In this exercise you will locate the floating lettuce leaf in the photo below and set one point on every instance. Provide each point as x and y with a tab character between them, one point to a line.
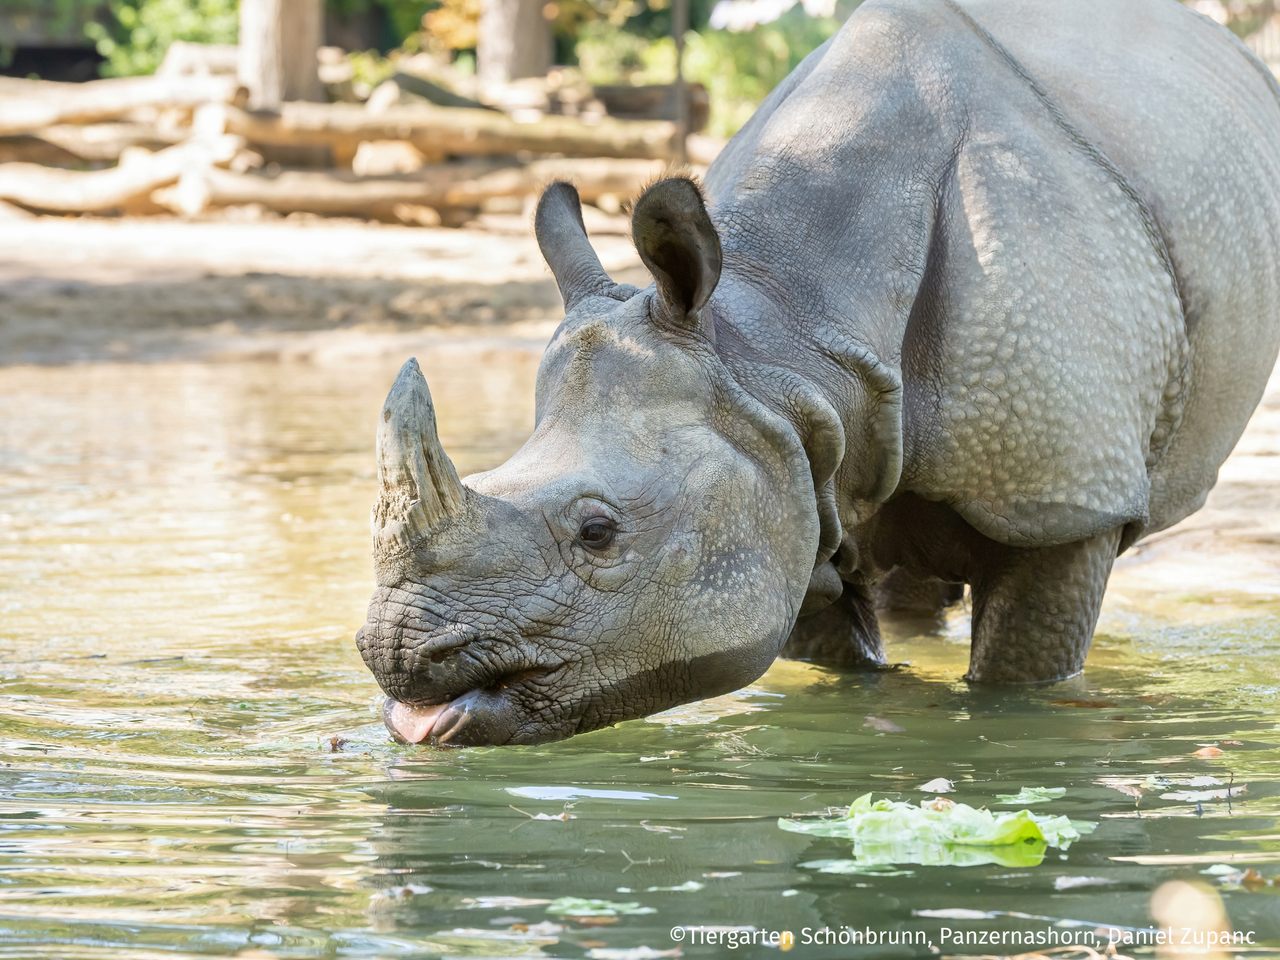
940	832
1027	795
583	907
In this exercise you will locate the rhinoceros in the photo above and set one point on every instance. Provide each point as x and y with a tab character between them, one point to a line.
984	292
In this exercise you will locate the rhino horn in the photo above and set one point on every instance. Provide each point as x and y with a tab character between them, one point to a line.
562	238
418	489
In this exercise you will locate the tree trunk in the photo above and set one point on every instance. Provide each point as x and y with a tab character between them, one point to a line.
514	41
278	44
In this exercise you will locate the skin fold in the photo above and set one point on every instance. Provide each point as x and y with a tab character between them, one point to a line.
983	293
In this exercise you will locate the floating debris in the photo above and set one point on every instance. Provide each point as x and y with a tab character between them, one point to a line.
1032	795
884	726
590	907
938	785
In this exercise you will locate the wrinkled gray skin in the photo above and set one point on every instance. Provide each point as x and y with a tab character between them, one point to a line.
986	292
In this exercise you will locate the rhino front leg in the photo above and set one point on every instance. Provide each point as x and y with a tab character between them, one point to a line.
1034	610
845	634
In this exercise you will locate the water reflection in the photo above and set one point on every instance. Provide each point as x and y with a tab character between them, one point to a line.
193	766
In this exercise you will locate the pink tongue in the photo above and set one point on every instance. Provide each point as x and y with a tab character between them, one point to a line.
412	724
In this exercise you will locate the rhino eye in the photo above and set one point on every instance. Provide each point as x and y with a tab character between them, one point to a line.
597	533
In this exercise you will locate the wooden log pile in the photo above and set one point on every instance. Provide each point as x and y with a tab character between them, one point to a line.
27	105
441	187
184	141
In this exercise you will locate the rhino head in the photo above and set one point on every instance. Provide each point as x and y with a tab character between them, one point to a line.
650	544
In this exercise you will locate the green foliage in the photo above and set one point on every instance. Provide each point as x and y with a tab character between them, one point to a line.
738	69
609	54
142	30
138	32
369	67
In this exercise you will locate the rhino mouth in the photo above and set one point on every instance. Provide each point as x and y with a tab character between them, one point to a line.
484	716
409	724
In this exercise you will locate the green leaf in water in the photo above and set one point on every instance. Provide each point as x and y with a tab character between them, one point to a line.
940	832
584	907
1027	795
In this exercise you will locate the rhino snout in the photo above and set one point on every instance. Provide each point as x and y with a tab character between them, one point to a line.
457	687
437	670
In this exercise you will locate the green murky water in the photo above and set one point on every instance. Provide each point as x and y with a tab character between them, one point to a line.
193	764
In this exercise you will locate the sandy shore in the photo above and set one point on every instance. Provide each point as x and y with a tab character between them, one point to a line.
92	290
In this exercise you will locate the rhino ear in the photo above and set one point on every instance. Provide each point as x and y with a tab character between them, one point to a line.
562	238
678	243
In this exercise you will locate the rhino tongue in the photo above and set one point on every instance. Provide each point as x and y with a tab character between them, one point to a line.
410	724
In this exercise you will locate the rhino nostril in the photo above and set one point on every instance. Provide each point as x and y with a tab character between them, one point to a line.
458	648
510	679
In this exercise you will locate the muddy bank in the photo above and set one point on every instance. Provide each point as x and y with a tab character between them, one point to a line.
145	290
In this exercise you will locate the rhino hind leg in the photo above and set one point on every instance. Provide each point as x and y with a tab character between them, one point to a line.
1034	610
845	634
902	593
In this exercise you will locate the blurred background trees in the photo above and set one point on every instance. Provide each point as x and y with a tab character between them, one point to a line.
738	49
133	35
607	41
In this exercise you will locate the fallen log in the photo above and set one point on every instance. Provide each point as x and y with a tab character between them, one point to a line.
655	102
72	145
439	131
329	192
107	141
186	59
440	187
595	177
10	212
138	174
25	148
28	105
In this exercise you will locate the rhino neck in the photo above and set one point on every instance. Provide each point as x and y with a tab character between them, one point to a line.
841	397
827	202
826	245
811	316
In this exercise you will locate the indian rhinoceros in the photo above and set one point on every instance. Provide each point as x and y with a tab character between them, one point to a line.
983	293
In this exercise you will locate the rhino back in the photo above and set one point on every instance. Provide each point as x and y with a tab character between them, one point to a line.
1192	119
1008	205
